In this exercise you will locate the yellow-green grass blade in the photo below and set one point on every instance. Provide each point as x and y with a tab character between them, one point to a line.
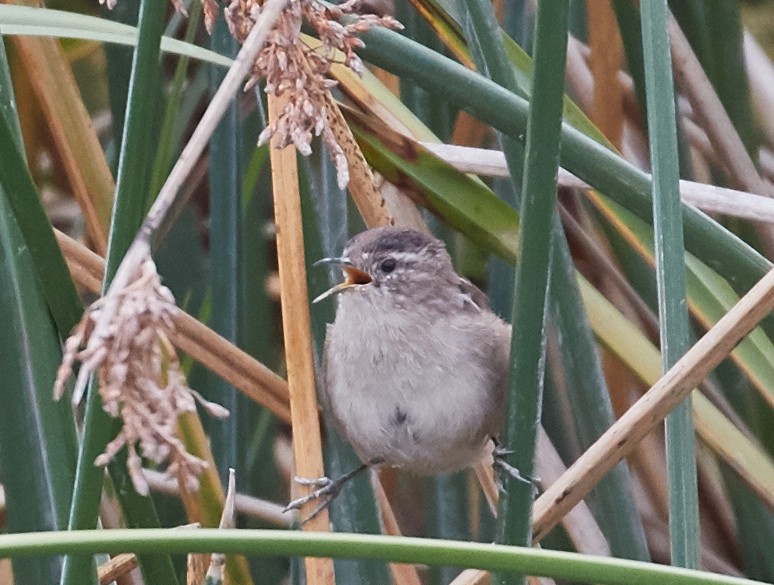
445	27
24	20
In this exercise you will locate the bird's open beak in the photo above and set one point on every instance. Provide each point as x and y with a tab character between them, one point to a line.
353	277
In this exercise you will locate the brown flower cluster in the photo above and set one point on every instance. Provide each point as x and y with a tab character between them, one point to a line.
294	70
298	72
140	378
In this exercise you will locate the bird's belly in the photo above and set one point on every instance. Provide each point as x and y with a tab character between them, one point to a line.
420	417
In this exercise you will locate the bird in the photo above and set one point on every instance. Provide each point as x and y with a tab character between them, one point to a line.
415	363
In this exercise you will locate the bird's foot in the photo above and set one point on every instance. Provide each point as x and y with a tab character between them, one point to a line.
326	492
327	489
500	454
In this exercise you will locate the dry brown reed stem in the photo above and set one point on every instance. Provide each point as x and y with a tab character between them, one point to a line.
648	412
690	77
605	57
115	568
197	340
370	203
402	574
296	325
75	142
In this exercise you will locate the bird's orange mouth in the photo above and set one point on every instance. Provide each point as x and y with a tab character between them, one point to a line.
353	277
356	276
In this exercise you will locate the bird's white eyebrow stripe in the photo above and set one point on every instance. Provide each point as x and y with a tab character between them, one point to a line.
406	256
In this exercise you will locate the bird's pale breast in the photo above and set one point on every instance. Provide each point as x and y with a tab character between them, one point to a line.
423	398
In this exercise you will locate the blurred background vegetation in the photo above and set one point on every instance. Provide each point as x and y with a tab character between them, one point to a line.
69	99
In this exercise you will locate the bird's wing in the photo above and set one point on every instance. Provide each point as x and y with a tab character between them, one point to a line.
326	371
471	296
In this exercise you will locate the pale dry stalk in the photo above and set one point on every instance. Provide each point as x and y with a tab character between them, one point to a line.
648	412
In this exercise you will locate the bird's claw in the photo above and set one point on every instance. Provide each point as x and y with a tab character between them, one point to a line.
499	462
326	492
500	451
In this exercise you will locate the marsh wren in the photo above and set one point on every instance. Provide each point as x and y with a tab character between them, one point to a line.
415	362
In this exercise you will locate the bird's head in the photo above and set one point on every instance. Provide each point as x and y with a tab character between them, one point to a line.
398	265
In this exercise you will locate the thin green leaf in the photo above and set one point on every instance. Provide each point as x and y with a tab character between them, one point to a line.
37	438
225	181
525	381
670	277
532	561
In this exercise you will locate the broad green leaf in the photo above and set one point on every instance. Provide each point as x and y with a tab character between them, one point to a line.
37	434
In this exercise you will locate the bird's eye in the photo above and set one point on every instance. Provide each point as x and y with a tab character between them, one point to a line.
387	265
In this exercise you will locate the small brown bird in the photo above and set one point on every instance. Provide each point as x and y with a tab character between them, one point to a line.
415	362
